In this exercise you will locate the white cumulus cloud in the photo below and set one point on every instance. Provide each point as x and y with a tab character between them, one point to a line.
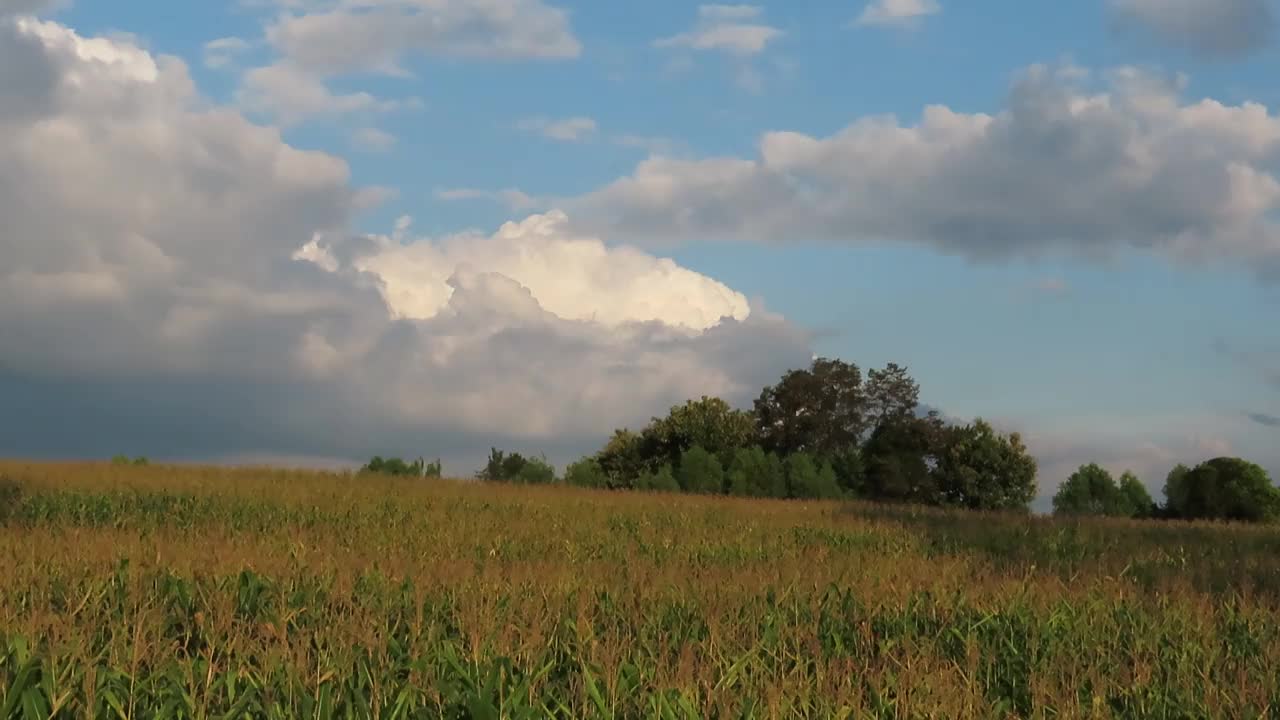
1065	165
726	28
898	13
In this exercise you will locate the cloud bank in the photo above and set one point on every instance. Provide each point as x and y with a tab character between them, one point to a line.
180	279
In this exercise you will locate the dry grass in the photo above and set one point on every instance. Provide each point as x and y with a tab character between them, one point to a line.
199	592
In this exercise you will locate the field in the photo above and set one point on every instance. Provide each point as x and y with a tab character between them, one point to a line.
166	592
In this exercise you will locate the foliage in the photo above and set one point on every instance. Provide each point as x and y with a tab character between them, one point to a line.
980	469
587	473
516	468
1223	488
660	480
756	473
899	460
808	480
124	460
1138	500
892	396
622	459
397	467
700	472
1091	491
820	410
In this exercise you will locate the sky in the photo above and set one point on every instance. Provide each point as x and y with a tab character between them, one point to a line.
308	231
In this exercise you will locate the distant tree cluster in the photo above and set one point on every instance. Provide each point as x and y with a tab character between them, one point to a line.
821	432
516	468
399	468
1223	488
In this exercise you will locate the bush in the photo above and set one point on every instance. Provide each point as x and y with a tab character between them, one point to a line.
10	498
124	460
1223	488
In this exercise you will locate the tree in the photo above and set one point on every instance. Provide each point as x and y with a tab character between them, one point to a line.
899	459
1140	504
1091	491
1224	488
891	395
516	468
660	480
981	469
806	479
700	472
396	467
821	410
1175	490
587	473
622	459
755	473
709	422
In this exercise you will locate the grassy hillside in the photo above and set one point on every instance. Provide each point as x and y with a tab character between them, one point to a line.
190	592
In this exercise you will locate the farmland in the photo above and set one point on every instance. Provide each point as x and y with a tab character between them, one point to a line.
200	592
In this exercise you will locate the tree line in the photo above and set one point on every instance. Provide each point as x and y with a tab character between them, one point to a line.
831	431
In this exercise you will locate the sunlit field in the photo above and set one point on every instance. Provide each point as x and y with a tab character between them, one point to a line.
176	592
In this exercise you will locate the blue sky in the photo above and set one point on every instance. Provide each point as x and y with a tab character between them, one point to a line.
1138	331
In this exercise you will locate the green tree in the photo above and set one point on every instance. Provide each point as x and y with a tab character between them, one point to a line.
1225	488
756	473
1175	490
586	472
622	459
808	479
892	395
981	469
536	471
899	458
821	410
1136	496
1091	490
708	422
516	468
397	467
660	480
700	472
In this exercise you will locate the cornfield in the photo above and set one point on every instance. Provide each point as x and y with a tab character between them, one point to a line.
179	592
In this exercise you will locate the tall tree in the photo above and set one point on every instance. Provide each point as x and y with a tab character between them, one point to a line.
1091	490
1136	495
980	469
899	459
819	410
709	422
1225	488
891	395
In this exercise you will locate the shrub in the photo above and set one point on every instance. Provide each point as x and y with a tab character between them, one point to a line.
755	473
396	467
516	468
660	480
806	479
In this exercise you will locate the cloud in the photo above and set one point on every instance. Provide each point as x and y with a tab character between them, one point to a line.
373	140
725	28
290	96
223	51
1216	28
376	35
1264	419
573	129
219	304
897	13
1062	167
25	7
511	197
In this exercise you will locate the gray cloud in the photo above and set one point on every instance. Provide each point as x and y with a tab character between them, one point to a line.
180	282
1216	28
1062	167
1271	421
